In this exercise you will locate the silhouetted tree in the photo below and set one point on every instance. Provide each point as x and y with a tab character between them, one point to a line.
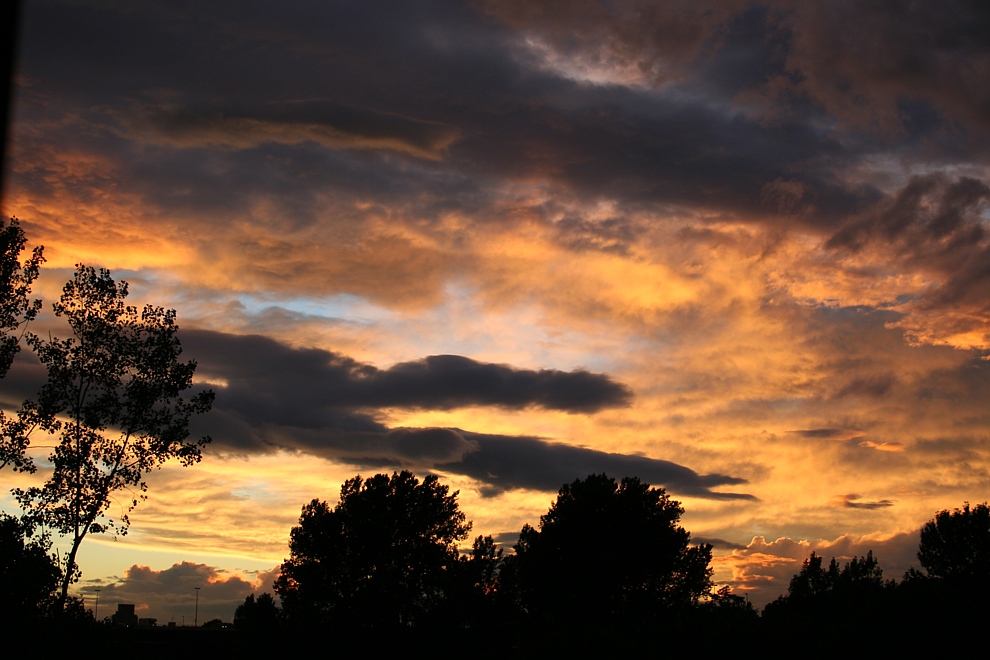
955	553
259	615
485	565
28	575
727	621
112	401
609	552
381	557
814	583
475	598
853	599
956	546
16	310
16	278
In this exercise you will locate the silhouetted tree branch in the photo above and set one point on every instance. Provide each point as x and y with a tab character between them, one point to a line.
16	311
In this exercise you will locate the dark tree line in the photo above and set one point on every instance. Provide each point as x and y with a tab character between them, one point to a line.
936	609
607	569
607	562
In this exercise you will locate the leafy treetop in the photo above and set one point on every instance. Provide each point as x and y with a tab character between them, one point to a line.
956	545
381	556
815	581
607	549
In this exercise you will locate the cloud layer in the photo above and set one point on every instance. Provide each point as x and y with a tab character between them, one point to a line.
271	396
738	249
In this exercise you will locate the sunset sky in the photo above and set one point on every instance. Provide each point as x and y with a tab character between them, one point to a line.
740	250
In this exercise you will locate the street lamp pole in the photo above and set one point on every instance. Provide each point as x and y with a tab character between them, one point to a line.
196	620
96	614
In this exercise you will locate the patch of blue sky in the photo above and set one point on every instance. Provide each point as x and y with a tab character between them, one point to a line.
258	493
340	307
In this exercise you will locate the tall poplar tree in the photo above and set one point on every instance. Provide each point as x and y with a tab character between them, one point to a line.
113	402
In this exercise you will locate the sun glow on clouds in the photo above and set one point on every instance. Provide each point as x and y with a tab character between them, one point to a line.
243	507
222	506
746	357
706	383
646	193
761	569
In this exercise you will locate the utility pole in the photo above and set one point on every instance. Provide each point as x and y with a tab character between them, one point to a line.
96	614
196	620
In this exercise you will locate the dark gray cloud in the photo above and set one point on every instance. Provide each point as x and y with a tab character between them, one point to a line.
326	404
291	122
854	501
935	227
720	544
911	70
26	377
822	433
968	382
431	78
873	387
961	449
504	463
506	538
302	386
449	381
929	211
319	402
424	80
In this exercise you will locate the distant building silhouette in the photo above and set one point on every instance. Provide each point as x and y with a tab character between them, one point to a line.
125	616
